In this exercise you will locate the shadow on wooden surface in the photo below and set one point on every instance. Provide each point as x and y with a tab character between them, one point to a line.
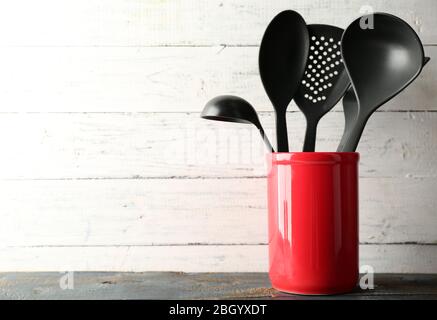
172	285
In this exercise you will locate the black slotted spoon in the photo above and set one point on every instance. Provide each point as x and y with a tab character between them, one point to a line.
381	62
325	80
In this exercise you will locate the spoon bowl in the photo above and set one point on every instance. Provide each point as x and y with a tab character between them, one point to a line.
381	62
282	59
350	110
234	109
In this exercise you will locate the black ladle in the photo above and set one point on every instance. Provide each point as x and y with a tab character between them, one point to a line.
282	60
325	80
350	110
381	62
234	109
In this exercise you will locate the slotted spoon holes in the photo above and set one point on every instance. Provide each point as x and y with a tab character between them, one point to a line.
324	62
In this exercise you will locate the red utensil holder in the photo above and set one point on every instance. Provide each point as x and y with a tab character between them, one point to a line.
313	221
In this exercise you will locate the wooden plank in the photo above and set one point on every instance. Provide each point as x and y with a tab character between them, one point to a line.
182	22
170	285
158	79
166	145
241	258
191	211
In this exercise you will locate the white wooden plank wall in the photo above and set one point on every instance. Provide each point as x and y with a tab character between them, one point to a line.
106	165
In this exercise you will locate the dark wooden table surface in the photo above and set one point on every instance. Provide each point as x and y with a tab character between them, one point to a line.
170	285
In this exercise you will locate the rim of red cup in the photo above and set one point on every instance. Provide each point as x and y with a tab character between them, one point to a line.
312	157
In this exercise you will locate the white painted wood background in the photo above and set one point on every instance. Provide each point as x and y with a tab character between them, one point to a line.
106	165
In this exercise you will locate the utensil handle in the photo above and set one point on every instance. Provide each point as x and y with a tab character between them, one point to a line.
309	144
352	139
266	140
343	140
281	131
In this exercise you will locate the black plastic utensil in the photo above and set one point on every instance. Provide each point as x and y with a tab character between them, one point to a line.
325	80
234	109
425	61
282	60
350	110
381	62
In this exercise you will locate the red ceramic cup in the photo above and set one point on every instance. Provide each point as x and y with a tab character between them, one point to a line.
313	221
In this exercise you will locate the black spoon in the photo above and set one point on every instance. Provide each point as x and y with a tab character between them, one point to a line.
325	80
234	109
381	62
282	60
350	110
